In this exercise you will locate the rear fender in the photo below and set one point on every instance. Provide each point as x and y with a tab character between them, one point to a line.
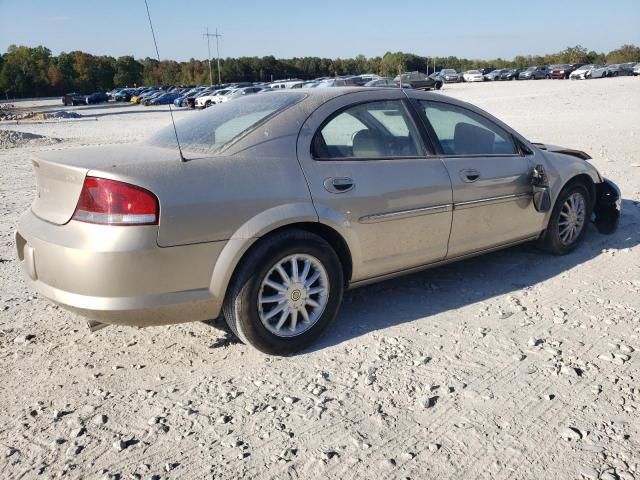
248	234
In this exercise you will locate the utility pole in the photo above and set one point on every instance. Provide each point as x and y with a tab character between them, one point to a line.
217	35
207	35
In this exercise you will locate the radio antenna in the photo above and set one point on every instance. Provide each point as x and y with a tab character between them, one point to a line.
175	130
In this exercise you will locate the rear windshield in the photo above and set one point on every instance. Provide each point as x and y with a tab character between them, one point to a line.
210	130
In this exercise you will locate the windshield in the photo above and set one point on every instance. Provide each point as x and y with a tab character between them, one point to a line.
209	131
473	72
448	71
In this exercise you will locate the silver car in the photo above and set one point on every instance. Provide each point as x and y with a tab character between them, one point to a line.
280	202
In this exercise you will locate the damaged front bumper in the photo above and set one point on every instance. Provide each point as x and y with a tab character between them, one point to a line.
607	207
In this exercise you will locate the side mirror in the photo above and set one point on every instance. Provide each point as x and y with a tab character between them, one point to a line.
540	186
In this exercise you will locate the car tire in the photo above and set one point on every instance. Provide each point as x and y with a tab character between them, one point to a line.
207	104
438	85
250	306
558	239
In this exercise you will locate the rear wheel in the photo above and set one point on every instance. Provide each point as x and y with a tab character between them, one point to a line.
438	85
285	293
568	223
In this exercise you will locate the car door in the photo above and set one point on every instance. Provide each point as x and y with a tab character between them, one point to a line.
371	178
490	175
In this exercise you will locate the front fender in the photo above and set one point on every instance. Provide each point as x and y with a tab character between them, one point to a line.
564	167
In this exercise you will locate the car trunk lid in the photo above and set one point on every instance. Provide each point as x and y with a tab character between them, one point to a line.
60	174
58	187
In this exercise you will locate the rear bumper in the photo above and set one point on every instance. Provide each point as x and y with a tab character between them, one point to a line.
608	207
118	275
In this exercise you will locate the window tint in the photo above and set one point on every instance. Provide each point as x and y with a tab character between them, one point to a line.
369	130
463	132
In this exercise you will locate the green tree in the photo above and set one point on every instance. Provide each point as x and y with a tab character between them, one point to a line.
624	54
577	54
128	71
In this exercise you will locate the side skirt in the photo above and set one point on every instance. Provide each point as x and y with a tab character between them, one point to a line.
388	276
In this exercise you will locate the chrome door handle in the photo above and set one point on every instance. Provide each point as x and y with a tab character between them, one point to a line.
339	184
469	175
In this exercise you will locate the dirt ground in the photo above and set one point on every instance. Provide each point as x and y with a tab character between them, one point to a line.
514	365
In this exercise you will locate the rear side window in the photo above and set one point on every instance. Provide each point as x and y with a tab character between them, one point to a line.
212	129
463	132
370	130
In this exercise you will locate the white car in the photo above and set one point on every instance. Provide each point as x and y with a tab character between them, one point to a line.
206	101
239	93
589	71
473	76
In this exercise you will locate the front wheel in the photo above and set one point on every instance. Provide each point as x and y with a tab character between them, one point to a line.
285	293
438	85
568	223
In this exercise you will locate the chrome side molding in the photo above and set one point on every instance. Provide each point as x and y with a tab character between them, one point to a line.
414	212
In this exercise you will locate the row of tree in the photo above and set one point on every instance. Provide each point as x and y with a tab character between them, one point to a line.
34	72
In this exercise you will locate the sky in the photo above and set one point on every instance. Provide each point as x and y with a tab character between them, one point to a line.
475	29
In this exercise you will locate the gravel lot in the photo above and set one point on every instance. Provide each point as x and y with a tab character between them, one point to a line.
511	365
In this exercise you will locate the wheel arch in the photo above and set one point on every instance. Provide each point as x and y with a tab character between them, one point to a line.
586	180
239	247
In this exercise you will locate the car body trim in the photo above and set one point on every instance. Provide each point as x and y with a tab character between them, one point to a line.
416	212
413	212
491	200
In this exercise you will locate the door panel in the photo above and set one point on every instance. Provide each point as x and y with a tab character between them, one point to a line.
494	209
396	212
489	176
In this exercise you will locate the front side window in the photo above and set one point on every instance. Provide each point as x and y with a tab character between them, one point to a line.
463	132
368	130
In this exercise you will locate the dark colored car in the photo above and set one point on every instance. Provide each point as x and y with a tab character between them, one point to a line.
163	99
563	71
97	97
449	75
148	95
73	99
620	70
486	70
533	73
181	101
124	95
419	81
494	74
511	74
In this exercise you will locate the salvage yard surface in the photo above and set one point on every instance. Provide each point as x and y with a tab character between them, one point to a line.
511	365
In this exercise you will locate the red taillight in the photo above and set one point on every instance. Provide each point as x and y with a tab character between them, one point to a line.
109	202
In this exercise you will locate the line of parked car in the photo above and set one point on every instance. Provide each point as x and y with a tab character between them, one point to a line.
562	71
206	96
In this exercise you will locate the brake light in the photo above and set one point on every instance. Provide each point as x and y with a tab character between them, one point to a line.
109	202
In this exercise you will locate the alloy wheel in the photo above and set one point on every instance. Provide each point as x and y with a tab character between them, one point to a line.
572	218
293	295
